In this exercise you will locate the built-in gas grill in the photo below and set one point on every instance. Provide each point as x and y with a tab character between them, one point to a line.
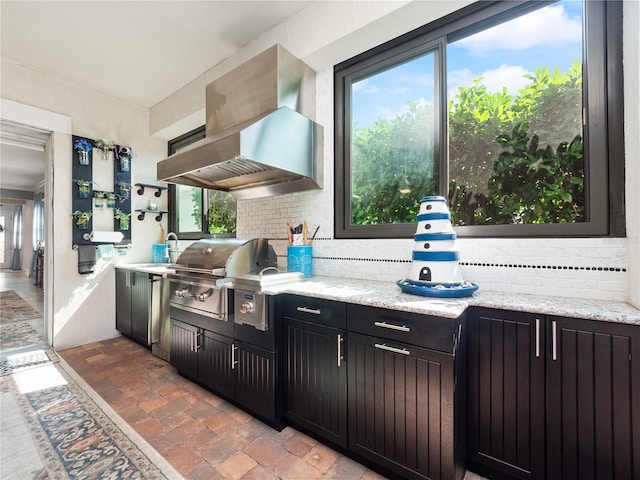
204	270
212	276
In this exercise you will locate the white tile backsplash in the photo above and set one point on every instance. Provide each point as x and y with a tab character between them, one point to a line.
589	268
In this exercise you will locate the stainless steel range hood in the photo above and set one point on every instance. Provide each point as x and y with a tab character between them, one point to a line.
260	140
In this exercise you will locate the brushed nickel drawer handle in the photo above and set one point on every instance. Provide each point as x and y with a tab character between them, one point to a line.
554	337
340	357
391	326
234	362
537	337
402	351
315	311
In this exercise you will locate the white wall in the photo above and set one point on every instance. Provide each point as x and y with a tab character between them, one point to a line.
327	33
83	306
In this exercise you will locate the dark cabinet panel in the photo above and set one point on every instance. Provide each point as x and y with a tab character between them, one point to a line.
214	362
506	402
316	379
590	419
133	299
551	398
255	380
401	403
182	350
140	299
123	301
239	371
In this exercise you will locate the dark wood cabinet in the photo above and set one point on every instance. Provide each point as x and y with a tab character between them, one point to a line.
133	297
215	362
140	309
403	404
506	402
593	405
123	301
255	375
183	354
240	371
551	398
315	368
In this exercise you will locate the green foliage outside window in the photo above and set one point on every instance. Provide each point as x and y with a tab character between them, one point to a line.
389	158
221	213
513	159
518	159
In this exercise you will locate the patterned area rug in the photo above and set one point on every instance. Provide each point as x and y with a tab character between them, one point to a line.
13	308
76	438
18	334
15	363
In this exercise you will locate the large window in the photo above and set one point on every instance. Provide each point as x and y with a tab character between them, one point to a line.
511	111
196	212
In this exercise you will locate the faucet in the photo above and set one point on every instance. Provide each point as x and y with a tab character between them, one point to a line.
172	253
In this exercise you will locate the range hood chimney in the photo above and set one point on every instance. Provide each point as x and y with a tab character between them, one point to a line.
260	139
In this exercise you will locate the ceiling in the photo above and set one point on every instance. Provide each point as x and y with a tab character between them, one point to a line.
138	51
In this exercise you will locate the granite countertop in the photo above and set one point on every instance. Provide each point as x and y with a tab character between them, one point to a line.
388	295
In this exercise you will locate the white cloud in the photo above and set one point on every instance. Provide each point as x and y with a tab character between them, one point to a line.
420	80
510	76
547	27
365	87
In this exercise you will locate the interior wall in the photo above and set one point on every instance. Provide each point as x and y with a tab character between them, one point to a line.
82	306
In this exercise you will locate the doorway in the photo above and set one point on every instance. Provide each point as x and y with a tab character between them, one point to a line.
22	224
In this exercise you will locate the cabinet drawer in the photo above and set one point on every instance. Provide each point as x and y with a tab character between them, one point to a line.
436	333
315	310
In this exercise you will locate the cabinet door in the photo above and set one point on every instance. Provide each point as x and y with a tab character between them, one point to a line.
401	407
215	362
255	380
593	423
316	379
140	299
506	392
123	301
182	350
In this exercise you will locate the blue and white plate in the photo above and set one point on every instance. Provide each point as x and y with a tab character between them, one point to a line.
441	290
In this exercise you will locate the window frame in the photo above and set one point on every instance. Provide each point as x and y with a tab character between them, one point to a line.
603	132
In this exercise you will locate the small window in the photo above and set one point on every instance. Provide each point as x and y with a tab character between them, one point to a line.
195	212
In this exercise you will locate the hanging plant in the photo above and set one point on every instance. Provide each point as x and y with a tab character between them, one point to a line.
124	155
83	147
84	186
82	219
105	147
123	191
122	217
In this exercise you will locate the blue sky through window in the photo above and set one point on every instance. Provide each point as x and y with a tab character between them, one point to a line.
502	55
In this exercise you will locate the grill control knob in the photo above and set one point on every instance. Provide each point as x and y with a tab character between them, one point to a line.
247	307
181	293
